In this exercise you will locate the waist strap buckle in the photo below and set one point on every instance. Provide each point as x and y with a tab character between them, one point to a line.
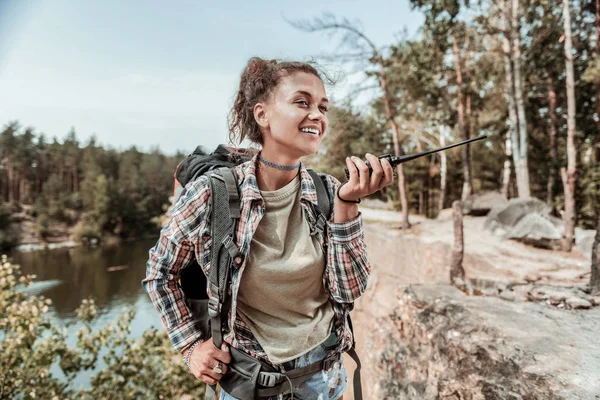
270	379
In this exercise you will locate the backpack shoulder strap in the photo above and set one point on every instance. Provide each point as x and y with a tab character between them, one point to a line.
224	214
322	194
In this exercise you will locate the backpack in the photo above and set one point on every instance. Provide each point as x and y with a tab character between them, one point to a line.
192	280
247	378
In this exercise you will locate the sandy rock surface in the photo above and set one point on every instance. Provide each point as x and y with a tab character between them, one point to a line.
442	343
421	255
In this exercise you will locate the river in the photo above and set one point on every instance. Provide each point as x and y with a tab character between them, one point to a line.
69	275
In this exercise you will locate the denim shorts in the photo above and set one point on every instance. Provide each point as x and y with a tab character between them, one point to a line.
324	385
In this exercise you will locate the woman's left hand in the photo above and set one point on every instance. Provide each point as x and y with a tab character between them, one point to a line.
360	184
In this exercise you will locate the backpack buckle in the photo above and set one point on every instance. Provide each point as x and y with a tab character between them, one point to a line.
214	307
269	379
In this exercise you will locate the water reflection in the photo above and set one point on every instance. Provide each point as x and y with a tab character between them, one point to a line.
83	273
68	276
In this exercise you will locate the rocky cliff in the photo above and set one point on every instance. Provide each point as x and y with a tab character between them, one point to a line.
532	335
443	344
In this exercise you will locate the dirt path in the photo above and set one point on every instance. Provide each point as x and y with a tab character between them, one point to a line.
422	255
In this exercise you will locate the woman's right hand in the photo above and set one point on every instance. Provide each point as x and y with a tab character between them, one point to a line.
205	358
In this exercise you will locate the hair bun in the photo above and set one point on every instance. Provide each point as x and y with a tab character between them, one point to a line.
257	64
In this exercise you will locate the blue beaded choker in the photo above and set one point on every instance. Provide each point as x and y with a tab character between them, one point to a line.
279	166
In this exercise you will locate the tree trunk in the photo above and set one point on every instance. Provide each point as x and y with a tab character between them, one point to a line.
506	183
598	55
75	178
428	194
38	179
516	59
509	95
595	278
424	176
506	179
11	180
569	175
553	141
397	149
69	179
464	126
405	224
21	191
457	272
443	169
466	152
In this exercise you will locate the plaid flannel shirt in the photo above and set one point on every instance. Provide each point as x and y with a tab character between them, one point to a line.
188	235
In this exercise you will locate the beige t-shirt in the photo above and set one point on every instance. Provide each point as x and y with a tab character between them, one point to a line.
281	295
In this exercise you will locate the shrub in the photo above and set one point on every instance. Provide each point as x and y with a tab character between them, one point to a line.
7	238
30	344
42	225
87	232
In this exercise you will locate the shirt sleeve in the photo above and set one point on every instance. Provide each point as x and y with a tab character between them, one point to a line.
348	268
179	242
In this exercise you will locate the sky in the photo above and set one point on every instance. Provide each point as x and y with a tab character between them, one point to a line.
155	73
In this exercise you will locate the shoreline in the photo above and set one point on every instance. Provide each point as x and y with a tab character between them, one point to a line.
27	247
69	244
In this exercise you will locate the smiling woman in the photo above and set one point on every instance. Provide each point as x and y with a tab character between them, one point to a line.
294	287
293	121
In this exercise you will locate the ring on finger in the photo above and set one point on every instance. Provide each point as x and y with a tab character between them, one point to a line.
218	369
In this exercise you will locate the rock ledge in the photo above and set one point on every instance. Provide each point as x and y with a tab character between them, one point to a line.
443	344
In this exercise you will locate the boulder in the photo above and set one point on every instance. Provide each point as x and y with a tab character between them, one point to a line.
578	303
536	230
551	294
481	203
502	218
528	221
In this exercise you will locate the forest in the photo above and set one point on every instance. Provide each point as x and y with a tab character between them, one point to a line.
100	190
525	73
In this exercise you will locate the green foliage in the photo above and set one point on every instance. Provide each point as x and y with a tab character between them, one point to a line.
101	204
349	133
53	200
7	239
87	231
123	368
101	190
422	79
592	73
42	225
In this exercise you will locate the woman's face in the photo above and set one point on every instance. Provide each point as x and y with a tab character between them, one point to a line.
293	120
